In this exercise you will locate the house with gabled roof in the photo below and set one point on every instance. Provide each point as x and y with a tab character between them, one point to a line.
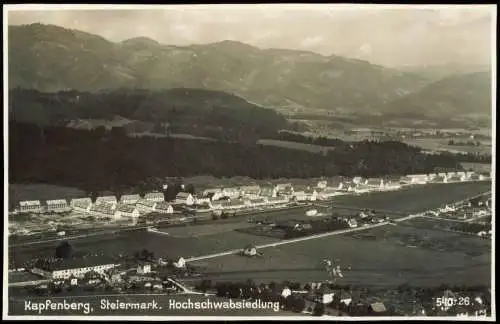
30	206
250	191
184	198
126	211
129	199
57	205
268	191
154	196
81	204
106	199
164	207
146	206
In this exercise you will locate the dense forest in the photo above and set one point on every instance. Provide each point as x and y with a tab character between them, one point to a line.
97	159
198	112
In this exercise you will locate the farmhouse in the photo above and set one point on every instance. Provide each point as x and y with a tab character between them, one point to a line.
126	211
164	207
250	191
81	204
129	199
154	196
64	269
184	198
30	206
57	205
106	199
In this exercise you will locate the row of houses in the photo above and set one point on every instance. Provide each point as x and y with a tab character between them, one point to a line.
253	194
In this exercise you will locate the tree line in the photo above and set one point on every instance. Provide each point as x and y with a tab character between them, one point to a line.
96	160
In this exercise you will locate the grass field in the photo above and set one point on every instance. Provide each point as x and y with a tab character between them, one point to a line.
382	257
436	144
294	145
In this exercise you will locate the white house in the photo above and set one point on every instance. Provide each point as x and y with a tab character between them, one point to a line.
154	196
250	191
103	210
81	204
375	183
202	200
232	193
322	184
129	199
268	191
106	199
57	205
146	206
184	198
283	187
126	211
233	204
30	206
418	178
213	194
144	268
276	201
358	180
164	207
328	193
257	202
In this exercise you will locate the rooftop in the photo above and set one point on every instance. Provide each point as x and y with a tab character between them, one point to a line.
75	263
29	203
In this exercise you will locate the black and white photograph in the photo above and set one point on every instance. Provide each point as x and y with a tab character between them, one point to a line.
249	161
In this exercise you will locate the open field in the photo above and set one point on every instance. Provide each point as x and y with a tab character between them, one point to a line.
385	256
294	145
202	230
410	200
437	144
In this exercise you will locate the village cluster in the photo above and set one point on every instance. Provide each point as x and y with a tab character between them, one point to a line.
128	209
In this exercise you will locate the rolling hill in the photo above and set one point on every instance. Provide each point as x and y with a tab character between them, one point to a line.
50	58
456	95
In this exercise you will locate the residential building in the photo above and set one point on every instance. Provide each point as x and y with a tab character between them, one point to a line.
81	204
484	176
58	205
300	196
30	206
276	201
217	204
164	207
358	180
336	183
257	202
146	206
233	204
231	193
103	210
453	178
202	200
419	178
405	180
64	269
322	184
130	199
154	196
213	194
328	193
268	191
250	191
375	183
106	199
184	198
126	211
283	187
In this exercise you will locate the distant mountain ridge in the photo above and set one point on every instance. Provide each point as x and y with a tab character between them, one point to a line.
50	58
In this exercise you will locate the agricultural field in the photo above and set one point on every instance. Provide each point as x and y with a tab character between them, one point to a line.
438	144
382	257
295	145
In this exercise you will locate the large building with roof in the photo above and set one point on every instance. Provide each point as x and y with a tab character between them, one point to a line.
250	192
130	199
64	269
184	198
154	196
106	199
57	205
103	210
30	206
126	211
81	204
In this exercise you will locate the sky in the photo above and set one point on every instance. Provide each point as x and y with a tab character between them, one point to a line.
392	36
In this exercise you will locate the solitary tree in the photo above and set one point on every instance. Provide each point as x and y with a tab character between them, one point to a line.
64	250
